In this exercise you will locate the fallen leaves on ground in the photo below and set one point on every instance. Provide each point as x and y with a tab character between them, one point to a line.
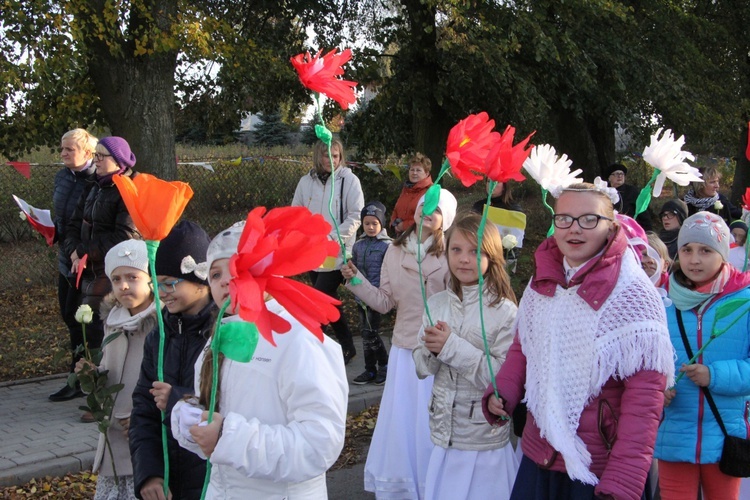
71	486
359	430
33	334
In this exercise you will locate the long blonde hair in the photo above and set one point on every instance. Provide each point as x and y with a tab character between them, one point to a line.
496	278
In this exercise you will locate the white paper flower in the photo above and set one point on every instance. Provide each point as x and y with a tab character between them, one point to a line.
718	205
603	187
509	242
666	154
551	172
84	314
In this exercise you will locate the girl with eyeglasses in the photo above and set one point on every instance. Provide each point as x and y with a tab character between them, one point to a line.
592	351
188	313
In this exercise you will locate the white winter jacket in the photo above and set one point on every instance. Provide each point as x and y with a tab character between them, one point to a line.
284	418
348	202
461	371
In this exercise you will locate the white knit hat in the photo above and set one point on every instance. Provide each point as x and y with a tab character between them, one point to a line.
130	253
447	205
224	244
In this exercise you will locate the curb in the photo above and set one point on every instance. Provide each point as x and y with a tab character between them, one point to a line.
35	380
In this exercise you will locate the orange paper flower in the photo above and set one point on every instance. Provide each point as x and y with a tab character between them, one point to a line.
469	142
154	204
504	161
287	241
321	74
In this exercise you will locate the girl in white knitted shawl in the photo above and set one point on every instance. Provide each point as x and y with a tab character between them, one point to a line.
593	353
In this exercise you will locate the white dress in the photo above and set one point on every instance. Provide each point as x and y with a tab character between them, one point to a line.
396	466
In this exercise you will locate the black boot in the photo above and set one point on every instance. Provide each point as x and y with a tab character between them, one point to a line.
66	393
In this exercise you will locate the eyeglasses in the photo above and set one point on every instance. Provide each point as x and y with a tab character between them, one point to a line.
585	221
167	286
101	156
617	174
668	215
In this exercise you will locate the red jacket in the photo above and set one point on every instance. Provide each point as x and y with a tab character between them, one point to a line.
406	204
619	425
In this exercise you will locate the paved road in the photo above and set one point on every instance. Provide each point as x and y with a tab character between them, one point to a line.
40	438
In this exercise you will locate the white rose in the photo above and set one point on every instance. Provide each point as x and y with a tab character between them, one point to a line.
509	241
718	205
84	314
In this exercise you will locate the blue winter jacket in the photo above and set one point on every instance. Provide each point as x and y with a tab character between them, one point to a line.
689	431
68	188
368	253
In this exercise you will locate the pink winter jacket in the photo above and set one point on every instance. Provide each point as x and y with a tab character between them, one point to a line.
619	426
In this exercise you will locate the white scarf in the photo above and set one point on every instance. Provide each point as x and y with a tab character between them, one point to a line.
410	246
572	351
120	319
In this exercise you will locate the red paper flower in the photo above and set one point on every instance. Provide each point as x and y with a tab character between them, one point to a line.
469	141
505	160
321	74
746	199
287	241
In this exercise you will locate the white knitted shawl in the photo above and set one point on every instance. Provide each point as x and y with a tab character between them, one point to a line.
572	350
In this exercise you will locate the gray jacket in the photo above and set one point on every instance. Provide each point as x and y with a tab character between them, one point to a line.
461	371
348	202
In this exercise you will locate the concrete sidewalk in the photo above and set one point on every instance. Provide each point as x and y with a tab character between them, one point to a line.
40	438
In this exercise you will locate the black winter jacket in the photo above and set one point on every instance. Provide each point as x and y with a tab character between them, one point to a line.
185	338
68	188
100	221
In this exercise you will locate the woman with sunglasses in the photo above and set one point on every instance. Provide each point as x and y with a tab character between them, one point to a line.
99	222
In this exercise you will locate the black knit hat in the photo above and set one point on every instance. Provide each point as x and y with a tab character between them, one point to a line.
677	207
614	168
182	253
375	209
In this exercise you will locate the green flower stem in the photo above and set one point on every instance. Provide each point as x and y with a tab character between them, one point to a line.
419	267
152	246
86	351
551	212
713	336
644	197
480	234
747	251
215	343
319	109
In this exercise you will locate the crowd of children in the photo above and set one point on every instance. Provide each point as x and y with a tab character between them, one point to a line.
610	349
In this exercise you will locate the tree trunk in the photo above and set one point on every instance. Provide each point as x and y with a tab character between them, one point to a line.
574	140
602	132
137	97
429	124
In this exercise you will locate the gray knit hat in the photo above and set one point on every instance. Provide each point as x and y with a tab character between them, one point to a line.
224	244
130	253
707	229
374	209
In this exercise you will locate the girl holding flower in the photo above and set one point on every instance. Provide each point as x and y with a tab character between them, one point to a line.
590	431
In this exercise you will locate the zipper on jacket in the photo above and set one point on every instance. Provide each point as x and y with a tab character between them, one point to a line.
179	326
471	410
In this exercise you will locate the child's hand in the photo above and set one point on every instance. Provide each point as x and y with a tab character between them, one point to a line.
348	270
698	373
161	392
83	365
436	336
125	424
153	489
669	395
496	407
207	436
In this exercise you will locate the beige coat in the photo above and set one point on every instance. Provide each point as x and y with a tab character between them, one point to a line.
399	287
122	357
